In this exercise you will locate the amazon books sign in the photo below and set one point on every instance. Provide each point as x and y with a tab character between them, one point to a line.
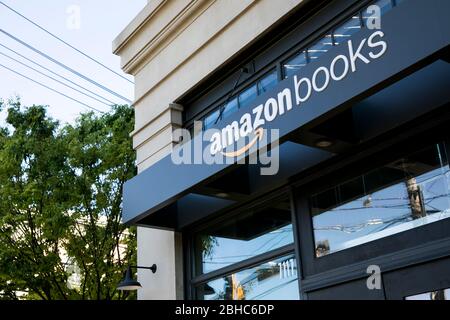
285	100
241	136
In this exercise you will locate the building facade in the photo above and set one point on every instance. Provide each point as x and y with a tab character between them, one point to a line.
293	149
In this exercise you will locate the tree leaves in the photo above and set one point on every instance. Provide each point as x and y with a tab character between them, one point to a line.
60	204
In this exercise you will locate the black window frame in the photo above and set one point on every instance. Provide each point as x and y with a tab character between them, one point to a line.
192	280
356	259
277	61
429	242
313	22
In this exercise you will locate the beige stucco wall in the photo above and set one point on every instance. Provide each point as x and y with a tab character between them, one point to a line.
170	47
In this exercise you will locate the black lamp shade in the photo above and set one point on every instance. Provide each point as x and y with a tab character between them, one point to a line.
208	290
128	283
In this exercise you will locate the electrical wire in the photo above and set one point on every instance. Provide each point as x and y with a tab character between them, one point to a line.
56	74
49	88
222	109
64	66
64	42
54	79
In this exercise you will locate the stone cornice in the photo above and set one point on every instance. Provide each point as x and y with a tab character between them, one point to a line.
155	26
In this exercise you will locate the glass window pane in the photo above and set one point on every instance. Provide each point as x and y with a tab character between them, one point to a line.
191	132
243	237
443	294
230	108
320	47
292	66
345	30
247	96
267	82
211	119
272	280
369	17
402	195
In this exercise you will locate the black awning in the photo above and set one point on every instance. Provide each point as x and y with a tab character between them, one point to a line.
410	79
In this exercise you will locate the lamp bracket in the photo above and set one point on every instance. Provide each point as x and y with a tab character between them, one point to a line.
152	268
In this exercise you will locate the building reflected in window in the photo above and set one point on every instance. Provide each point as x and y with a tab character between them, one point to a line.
272	280
402	195
443	294
232	241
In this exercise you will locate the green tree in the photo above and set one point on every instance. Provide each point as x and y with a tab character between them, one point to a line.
101	159
60	204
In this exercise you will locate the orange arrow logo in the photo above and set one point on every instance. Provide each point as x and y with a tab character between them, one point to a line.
258	136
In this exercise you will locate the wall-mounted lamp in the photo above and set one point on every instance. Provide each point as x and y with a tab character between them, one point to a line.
128	283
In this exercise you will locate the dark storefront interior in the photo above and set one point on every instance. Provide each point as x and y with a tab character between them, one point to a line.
367	183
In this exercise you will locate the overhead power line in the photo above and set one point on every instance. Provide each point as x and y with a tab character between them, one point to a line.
64	66
63	41
54	79
49	88
56	74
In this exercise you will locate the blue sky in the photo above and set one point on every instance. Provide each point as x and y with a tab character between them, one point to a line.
100	22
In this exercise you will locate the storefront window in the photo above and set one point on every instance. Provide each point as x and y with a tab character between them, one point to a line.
243	237
402	195
272	280
211	119
267	82
247	96
230	108
347	29
320	47
334	37
292	66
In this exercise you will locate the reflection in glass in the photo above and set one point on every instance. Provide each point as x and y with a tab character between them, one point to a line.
211	119
345	31
291	66
247	96
267	82
230	108
341	34
320	47
243	237
402	195
433	295
191	133
368	16
272	280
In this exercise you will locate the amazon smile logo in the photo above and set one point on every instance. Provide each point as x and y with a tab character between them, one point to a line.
258	137
259	147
